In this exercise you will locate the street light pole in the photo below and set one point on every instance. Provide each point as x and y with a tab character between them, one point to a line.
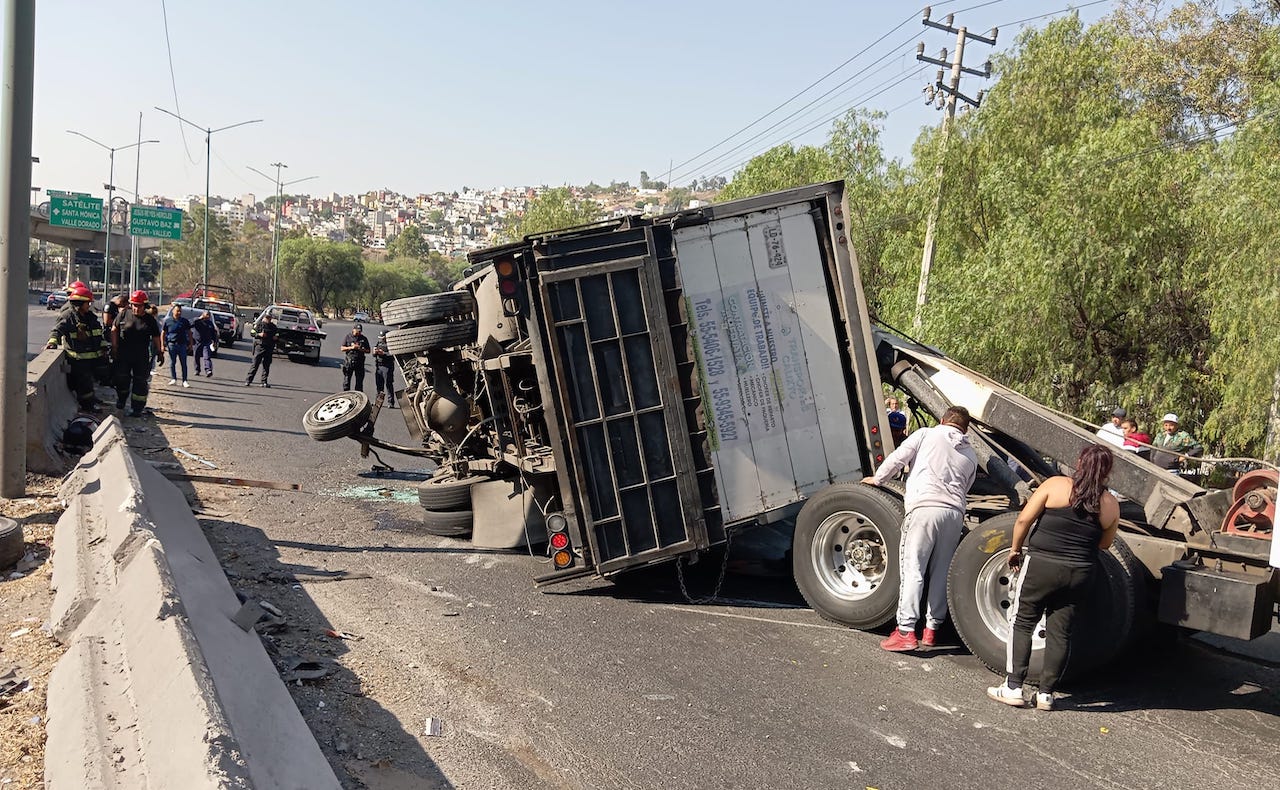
111	188
275	229
208	155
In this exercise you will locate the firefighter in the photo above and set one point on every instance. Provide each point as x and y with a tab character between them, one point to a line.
135	338
80	334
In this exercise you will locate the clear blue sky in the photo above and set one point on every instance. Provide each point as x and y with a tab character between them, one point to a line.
420	96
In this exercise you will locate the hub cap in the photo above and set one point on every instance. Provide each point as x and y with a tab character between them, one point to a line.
848	555
335	408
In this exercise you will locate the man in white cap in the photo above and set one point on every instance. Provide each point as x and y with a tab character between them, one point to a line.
1174	444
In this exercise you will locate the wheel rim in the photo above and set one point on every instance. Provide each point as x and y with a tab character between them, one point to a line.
335	409
994	591
849	556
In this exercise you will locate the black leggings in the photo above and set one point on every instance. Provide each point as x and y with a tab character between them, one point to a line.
1045	587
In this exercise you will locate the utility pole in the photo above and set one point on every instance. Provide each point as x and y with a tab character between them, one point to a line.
275	225
208	153
16	94
944	96
111	191
137	174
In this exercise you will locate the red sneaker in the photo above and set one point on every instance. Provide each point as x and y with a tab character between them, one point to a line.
930	637
899	642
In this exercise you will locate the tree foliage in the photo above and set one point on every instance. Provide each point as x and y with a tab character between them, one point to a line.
552	210
408	244
1110	219
322	272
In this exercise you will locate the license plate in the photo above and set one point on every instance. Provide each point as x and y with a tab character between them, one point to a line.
313	342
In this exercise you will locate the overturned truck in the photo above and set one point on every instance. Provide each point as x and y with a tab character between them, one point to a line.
640	390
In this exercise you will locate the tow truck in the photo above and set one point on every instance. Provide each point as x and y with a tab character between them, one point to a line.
641	390
220	301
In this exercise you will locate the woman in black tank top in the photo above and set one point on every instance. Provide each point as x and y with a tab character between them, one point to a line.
1073	517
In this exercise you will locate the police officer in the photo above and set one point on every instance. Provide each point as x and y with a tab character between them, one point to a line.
135	337
264	345
356	345
80	334
384	368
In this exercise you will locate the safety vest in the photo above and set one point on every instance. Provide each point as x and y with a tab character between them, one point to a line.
81	336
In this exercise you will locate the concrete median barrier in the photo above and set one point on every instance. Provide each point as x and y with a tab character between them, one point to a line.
159	687
50	406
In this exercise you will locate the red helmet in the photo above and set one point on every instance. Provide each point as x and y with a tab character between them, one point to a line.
73	286
139	297
81	294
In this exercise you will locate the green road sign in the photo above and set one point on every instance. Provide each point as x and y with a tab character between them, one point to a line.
157	222
75	210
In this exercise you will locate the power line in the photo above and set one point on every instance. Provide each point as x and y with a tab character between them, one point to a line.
1055	13
173	80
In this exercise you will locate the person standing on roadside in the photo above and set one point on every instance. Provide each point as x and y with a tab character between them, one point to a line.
206	334
1175	445
943	467
355	345
135	339
384	368
264	345
1074	518
178	338
1111	431
106	371
80	333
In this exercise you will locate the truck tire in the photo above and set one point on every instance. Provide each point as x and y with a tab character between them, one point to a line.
845	554
416	339
446	493
337	416
447	523
978	599
427	309
12	545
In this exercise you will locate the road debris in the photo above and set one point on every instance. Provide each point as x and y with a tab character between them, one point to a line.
233	481
341	634
433	728
19	632
299	668
194	457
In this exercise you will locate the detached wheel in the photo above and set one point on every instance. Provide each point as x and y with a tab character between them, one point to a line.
337	416
845	554
417	339
12	546
447	523
428	308
980	599
446	493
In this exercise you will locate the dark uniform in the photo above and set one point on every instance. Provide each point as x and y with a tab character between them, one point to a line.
80	335
264	345
384	369
354	362
106	369
135	334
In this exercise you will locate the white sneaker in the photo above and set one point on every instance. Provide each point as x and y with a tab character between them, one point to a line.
185	384
1002	693
1044	700
172	382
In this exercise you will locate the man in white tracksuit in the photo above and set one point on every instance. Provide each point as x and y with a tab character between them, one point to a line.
943	467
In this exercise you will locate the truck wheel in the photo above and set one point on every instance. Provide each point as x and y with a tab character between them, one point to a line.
12	546
447	523
427	309
416	339
979	599
845	554
337	416
444	492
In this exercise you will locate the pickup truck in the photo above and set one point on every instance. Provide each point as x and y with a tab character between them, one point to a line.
641	390
220	301
298	334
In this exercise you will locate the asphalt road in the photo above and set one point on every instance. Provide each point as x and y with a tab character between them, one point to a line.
585	685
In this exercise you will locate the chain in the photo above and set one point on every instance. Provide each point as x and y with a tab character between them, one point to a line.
724	566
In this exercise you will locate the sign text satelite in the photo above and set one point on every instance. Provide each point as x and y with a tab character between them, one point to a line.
75	210
156	222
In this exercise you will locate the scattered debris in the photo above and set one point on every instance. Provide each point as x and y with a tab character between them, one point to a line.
341	634
233	481
448	614
299	668
11	684
253	614
270	607
433	728
19	632
194	457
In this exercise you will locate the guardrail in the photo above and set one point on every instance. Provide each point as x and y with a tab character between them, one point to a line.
159	687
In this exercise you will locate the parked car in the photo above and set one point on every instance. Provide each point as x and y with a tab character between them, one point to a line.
44	297
56	299
360	317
